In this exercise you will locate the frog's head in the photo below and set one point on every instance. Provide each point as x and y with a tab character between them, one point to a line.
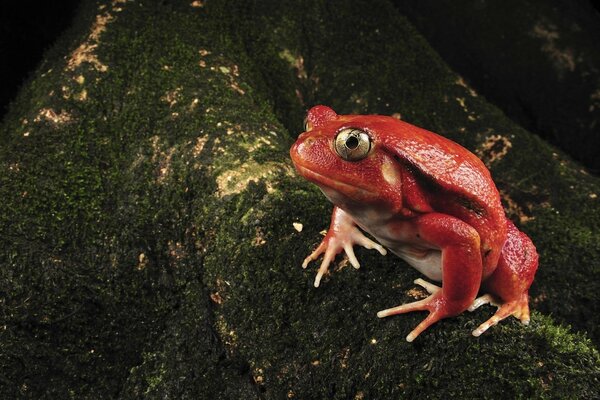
345	155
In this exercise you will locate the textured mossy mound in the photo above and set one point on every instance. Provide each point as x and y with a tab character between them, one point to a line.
537	60
147	245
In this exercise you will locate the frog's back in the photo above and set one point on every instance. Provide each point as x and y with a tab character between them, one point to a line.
462	185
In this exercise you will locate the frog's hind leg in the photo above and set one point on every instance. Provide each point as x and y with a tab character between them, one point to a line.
510	281
518	308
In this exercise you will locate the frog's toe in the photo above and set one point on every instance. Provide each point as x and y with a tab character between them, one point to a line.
430	287
485	299
351	256
519	308
369	244
329	256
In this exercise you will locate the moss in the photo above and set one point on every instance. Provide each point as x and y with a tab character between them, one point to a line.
127	271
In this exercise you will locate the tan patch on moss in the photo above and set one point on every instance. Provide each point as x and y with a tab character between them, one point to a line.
417	293
563	59
142	262
50	115
85	53
344	356
176	252
236	180
493	149
197	4
162	159
461	82
228	336
172	96
199	146
514	210
296	61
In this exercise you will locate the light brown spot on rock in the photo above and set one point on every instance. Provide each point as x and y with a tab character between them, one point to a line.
461	82
171	97
162	159
50	115
563	59
142	262
236	180
514	210
296	61
493	149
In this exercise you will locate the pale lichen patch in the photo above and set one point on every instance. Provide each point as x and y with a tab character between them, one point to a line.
172	97
461	82
417	293
259	237
513	209
176	252
298	226
344	357
493	149
228	336
197	4
85	53
563	59
237	179
162	159
295	61
461	102
81	96
50	115
199	146
142	262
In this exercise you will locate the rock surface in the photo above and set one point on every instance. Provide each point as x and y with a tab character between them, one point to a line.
147	238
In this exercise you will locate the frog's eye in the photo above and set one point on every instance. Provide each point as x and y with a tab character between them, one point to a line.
307	125
352	144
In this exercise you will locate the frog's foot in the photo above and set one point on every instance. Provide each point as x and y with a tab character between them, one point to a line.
334	242
430	287
519	308
436	304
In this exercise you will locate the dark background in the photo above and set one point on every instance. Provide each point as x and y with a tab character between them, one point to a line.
27	29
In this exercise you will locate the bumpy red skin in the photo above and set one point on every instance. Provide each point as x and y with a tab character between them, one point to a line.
433	193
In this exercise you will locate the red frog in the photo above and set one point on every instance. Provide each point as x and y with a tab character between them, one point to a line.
425	198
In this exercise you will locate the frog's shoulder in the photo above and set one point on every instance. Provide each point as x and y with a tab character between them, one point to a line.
441	160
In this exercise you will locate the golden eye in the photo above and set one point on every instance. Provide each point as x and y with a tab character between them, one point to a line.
307	125
352	144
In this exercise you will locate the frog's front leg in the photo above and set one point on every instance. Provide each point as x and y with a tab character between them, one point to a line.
343	233
461	268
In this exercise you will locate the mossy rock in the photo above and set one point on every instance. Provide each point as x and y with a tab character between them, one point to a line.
147	245
538	61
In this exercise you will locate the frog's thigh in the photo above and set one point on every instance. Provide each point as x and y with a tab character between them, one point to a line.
461	256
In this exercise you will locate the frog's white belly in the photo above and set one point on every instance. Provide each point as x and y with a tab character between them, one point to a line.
429	264
396	234
421	255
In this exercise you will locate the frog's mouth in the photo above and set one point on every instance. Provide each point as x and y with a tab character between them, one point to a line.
347	189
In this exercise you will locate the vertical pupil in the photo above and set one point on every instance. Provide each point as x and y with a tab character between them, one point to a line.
352	142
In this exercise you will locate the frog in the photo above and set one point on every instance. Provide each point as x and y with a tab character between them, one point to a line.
424	198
